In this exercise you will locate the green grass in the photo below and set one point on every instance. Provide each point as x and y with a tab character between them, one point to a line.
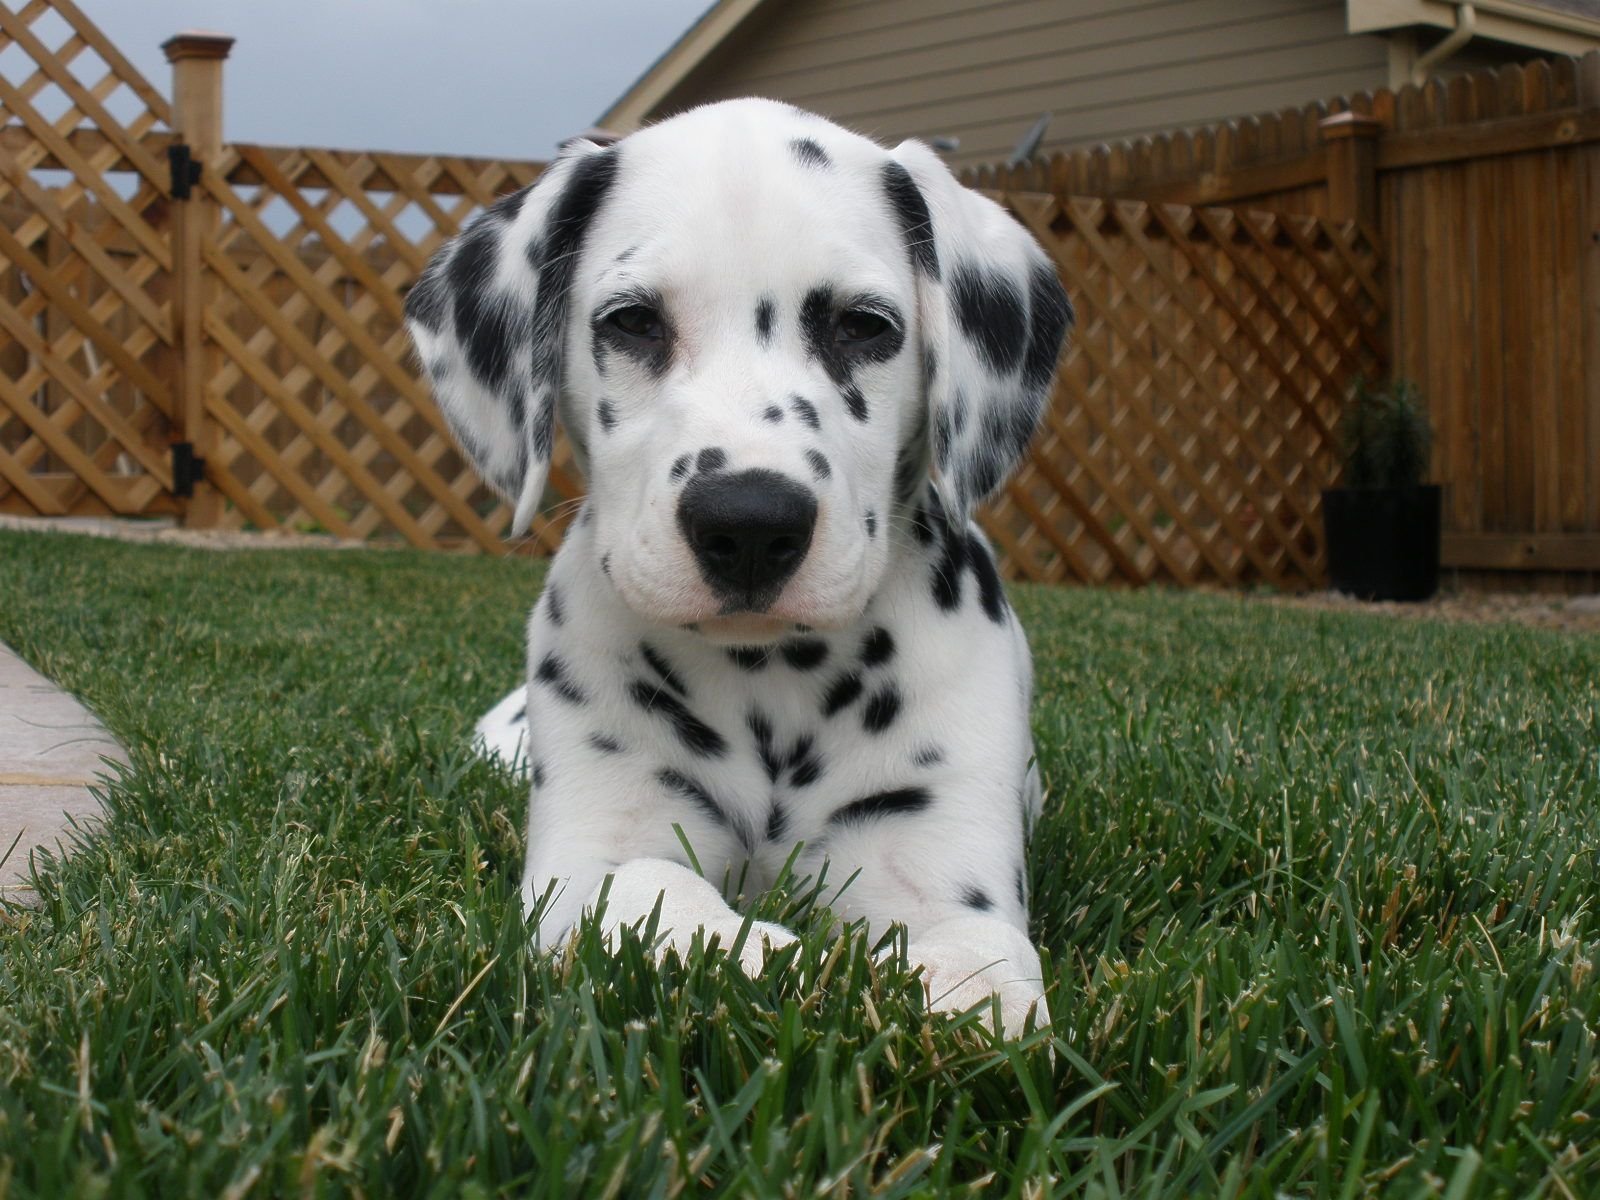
1316	893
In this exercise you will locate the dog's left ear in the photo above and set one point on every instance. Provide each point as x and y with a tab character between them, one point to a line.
993	316
489	318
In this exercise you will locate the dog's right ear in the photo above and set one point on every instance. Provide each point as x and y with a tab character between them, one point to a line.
489	318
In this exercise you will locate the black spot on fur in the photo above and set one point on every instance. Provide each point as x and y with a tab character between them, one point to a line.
680	467
607	415
941	439
490	322
750	658
948	570
896	802
552	605
911	210
773	413
428	300
854	400
990	312
804	654
663	669
977	898
881	710
990	590
960	551
840	359
870	520
605	564
810	153
777	823
690	729
877	647
520	715
760	726
555	259
806	411
552	672
538	774
819	464
605	744
711	459
1050	318
694	792
805	766
841	693
1022	889
928	756
807	772
764	310
654	354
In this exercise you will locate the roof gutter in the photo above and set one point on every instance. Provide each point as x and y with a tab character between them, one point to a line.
1466	26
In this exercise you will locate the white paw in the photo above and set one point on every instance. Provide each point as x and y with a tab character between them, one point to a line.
763	939
967	960
689	905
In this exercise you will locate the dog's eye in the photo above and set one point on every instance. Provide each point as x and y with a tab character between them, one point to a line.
859	325
639	321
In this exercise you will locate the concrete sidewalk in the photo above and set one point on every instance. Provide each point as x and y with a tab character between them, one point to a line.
51	749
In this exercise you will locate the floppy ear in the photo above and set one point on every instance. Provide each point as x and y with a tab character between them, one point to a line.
489	318
993	315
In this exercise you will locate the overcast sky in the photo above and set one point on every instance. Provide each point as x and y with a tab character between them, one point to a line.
500	78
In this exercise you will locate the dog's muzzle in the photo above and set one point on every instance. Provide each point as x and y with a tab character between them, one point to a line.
749	532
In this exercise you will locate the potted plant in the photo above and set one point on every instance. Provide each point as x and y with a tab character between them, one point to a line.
1382	526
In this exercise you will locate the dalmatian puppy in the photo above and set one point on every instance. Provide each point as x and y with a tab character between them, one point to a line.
790	363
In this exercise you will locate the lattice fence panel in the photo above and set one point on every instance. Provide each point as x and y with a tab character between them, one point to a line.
323	419
85	319
1193	423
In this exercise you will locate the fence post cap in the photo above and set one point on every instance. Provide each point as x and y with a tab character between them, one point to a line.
1349	125
197	43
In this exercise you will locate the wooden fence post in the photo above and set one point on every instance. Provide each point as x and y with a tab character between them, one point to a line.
1352	148
196	60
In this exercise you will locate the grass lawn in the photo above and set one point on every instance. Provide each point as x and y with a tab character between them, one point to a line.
1317	894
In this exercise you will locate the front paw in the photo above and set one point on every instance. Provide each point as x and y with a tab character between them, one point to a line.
687	905
967	960
764	938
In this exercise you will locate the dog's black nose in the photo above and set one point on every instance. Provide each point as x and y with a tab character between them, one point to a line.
749	532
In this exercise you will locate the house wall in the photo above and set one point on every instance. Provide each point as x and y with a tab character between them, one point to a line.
984	70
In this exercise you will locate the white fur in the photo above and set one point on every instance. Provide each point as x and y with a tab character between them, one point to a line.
712	212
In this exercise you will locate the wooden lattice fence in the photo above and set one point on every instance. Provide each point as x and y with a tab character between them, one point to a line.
252	319
1193	423
85	273
322	418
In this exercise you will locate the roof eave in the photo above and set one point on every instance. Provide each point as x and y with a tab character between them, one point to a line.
1521	24
713	28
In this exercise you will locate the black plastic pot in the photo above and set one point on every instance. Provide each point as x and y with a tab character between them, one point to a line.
1383	543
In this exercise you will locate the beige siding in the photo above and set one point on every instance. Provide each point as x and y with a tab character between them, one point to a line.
984	70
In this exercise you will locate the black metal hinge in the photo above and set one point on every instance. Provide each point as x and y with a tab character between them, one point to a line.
185	171
187	469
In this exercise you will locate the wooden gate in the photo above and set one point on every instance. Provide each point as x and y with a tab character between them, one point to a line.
214	330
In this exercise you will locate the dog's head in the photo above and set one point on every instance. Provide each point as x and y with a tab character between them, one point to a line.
762	333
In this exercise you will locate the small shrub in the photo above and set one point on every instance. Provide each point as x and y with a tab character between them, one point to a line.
1385	437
